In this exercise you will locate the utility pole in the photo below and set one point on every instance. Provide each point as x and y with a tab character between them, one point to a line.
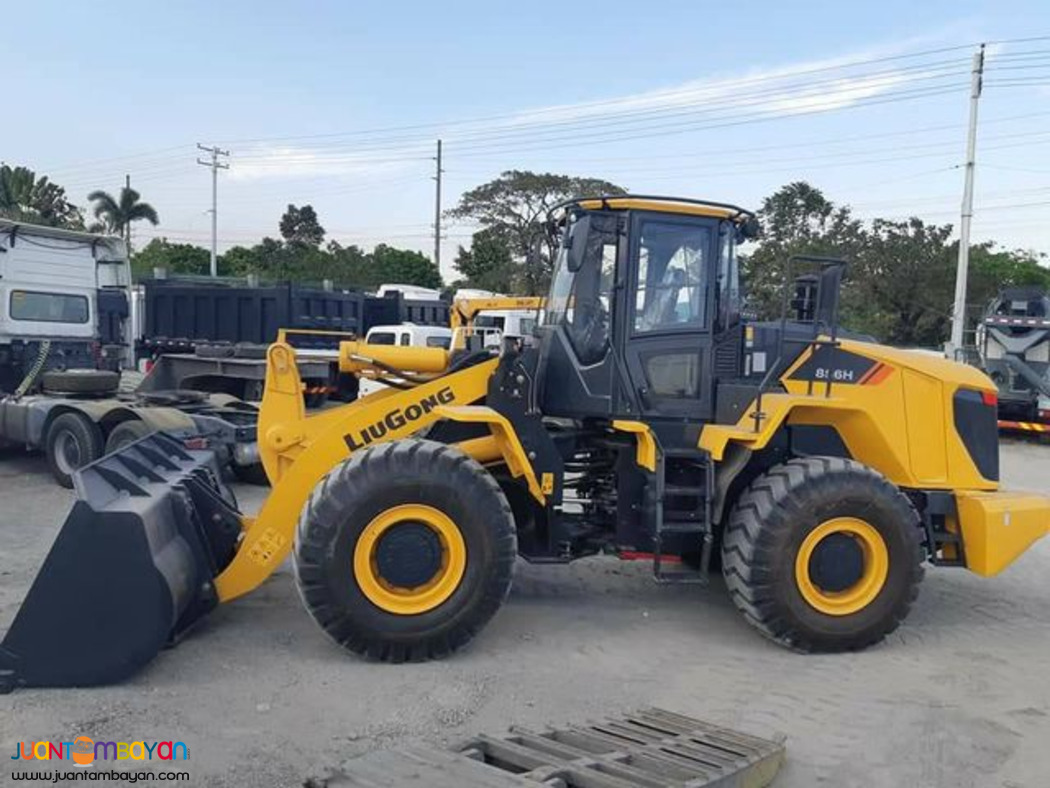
962	269
127	225
215	165
437	209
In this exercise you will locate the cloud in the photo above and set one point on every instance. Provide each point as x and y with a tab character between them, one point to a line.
812	86
808	86
304	162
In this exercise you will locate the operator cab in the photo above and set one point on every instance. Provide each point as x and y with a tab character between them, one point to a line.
644	309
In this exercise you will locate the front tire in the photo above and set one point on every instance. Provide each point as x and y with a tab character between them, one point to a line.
823	554
405	551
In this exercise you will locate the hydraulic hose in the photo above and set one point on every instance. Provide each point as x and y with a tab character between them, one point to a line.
34	372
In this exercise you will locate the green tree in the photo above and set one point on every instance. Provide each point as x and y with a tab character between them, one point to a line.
351	265
904	283
992	269
488	264
27	198
300	226
119	213
515	205
238	261
404	266
176	258
798	219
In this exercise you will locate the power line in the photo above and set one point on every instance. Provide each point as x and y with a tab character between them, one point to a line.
535	131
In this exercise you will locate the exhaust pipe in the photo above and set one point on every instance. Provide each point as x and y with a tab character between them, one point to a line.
131	570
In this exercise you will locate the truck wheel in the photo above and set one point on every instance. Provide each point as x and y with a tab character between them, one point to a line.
125	433
251	474
823	554
72	441
80	381
315	393
405	551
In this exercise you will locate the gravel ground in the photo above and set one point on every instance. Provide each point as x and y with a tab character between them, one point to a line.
958	697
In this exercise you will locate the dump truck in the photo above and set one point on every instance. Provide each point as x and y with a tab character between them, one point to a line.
646	417
211	335
1013	342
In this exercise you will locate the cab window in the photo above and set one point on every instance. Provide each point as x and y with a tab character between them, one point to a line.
672	276
381	338
728	279
48	307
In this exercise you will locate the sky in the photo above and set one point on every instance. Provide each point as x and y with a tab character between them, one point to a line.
339	105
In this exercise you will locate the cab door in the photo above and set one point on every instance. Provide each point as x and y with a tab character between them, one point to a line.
667	304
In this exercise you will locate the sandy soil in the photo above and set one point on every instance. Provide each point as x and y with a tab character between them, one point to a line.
958	697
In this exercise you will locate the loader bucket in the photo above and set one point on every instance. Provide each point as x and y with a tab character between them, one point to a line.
129	572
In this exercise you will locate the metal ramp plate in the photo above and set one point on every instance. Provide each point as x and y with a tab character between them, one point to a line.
649	749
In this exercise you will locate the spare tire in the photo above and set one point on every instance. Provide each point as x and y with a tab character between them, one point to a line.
214	351
80	381
249	350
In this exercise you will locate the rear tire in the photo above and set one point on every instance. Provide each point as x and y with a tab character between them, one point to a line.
72	442
846	598
340	560
251	474
125	433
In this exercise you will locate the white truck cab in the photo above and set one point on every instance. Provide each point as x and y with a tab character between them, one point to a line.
409	334
50	285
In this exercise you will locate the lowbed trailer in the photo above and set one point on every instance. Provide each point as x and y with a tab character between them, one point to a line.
74	431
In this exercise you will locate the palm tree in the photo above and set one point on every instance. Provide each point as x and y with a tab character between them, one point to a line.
119	214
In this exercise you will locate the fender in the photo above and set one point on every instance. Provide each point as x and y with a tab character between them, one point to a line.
892	408
298	450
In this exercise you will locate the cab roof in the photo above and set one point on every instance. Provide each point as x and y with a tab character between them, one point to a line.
680	205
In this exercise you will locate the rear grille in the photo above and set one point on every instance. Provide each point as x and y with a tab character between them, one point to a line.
977	424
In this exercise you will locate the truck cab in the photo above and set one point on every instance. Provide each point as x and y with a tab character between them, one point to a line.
50	285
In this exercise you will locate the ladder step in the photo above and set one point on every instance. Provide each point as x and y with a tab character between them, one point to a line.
683	527
697	453
685	576
684	489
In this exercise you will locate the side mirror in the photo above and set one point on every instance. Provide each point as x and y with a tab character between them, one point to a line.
749	230
576	242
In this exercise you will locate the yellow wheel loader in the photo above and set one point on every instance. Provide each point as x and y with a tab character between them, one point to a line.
646	417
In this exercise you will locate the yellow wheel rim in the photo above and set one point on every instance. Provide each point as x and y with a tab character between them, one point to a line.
400	600
876	566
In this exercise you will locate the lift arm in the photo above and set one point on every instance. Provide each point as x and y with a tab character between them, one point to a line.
464	310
